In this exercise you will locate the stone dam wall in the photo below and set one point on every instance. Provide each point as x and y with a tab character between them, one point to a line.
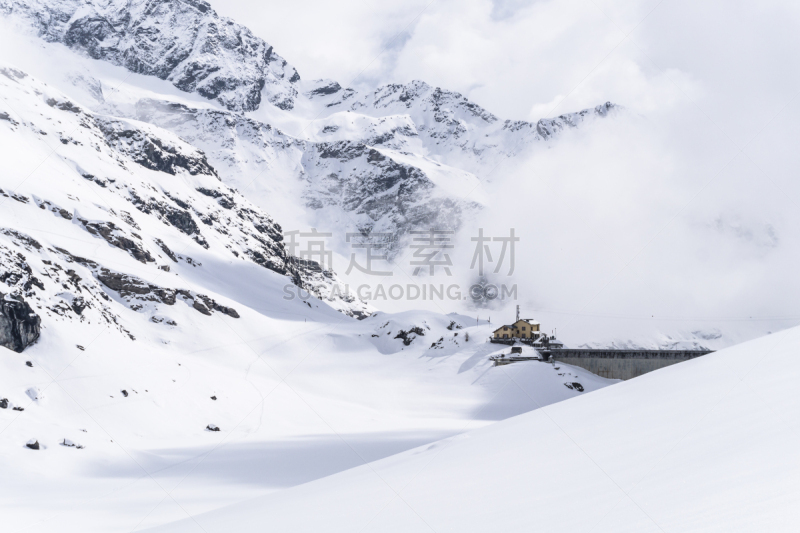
622	364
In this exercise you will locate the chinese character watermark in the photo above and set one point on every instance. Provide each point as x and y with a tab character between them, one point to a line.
315	248
371	242
429	250
482	251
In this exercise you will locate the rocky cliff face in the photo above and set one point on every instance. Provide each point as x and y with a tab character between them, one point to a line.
184	42
19	325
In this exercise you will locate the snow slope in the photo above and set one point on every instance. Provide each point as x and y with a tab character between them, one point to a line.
294	401
708	445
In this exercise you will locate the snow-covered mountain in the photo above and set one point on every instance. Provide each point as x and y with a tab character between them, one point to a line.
185	43
312	153
166	352
144	306
154	156
122	167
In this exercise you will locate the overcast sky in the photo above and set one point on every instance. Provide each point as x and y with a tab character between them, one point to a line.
689	206
527	58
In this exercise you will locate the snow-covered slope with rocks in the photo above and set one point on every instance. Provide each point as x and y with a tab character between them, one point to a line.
146	193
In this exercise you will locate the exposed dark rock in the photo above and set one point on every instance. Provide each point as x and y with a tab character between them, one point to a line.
166	250
213	193
14	269
331	88
183	221
63	105
125	216
132	288
124	393
409	336
17	408
180	219
226	202
154	152
3	403
209	303
63	213
359	314
214	398
91	177
78	305
33	444
5	116
29	363
212	427
19	325
200	306
29	243
116	237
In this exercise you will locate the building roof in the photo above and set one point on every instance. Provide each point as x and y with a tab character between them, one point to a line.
501	327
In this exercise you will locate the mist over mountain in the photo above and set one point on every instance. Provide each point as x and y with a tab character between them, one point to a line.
221	277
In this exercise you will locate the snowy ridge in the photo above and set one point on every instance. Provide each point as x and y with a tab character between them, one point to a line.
186	43
456	130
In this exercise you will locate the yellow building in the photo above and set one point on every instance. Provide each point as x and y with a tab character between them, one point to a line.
521	329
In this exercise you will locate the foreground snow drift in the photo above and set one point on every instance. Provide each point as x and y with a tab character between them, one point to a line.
707	445
127	430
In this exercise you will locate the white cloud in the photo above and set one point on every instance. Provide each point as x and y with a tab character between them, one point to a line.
659	212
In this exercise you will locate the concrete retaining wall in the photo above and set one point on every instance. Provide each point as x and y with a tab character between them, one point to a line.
623	364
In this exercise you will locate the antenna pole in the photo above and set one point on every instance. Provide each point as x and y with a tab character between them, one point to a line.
517	313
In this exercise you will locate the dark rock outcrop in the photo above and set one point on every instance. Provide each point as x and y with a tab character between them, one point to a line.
19	325
116	237
153	152
134	289
409	336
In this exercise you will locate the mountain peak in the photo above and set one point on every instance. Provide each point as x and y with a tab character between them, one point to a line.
184	42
